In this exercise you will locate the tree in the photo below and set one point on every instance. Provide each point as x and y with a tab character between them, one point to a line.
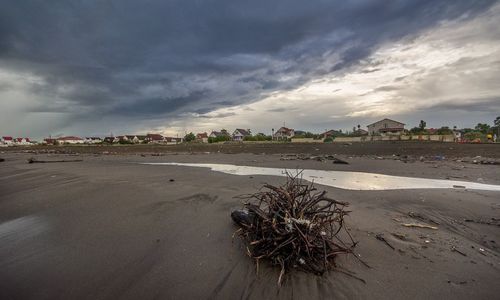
444	130
422	125
416	130
497	122
189	137
483	128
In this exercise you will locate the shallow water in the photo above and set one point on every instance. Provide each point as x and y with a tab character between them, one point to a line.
346	179
19	230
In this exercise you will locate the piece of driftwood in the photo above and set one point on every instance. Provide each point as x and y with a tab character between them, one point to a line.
454	249
34	160
419	225
294	226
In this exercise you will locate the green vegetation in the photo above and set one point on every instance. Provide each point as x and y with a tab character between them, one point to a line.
221	138
483	128
125	142
474	136
189	137
258	138
444	130
422	125
308	135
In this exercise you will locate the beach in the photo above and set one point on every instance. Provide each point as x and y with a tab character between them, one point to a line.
112	227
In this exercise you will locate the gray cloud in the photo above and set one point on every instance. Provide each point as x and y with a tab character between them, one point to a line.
161	59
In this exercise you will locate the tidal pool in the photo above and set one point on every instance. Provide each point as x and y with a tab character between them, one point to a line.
345	179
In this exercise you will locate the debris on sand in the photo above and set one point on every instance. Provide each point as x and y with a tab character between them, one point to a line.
421	217
339	161
34	160
294	226
381	237
477	160
454	249
2	159
313	157
419	225
491	221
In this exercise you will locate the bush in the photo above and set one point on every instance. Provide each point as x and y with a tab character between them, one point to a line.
222	138
258	138
444	130
474	136
189	137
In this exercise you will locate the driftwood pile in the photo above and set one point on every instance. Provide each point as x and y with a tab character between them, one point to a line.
294	226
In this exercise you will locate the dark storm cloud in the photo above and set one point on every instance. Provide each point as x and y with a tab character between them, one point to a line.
160	58
485	104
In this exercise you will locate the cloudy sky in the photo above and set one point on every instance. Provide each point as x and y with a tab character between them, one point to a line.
96	67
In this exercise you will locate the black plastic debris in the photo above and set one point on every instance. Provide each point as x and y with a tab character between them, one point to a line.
243	217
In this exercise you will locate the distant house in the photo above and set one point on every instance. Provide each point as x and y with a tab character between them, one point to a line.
331	133
49	141
283	133
432	130
386	127
7	140
135	139
202	137
22	141
70	140
360	132
218	136
154	138
92	140
240	134
173	140
215	134
110	139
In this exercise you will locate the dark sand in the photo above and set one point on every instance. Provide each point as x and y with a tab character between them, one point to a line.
107	228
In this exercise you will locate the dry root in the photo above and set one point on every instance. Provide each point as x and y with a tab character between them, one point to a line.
294	226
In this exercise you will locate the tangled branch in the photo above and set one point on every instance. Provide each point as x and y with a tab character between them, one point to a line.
294	226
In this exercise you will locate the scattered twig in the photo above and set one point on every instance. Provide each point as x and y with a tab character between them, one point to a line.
381	237
419	225
454	249
492	221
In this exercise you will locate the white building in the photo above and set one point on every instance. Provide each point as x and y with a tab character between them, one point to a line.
284	133
386	127
240	134
92	140
22	141
70	140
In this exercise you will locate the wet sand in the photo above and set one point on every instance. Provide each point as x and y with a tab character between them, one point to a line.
109	228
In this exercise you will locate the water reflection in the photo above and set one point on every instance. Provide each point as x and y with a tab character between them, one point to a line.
20	229
346	179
